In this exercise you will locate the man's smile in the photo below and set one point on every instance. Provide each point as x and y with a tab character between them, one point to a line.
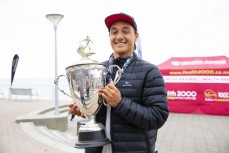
120	43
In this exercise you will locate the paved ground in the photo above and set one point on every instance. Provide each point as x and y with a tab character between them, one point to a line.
13	139
185	133
182	133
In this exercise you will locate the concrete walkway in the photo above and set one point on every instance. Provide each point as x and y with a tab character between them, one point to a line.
186	133
13	139
182	133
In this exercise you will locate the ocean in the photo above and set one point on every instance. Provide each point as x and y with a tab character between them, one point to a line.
44	87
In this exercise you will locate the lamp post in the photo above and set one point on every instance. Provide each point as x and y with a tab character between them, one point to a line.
55	19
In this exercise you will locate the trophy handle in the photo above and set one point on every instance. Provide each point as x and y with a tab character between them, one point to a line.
104	103
118	73
116	79
56	83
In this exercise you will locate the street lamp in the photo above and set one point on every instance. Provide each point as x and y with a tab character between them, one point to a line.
55	19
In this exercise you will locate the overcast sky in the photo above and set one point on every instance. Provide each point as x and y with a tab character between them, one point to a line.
167	28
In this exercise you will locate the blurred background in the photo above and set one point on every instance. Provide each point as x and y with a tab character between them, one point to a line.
177	28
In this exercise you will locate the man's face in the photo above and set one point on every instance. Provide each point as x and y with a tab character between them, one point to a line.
122	38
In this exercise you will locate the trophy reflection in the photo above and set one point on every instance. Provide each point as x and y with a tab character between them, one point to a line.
84	79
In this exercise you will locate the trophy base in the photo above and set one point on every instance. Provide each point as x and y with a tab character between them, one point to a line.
92	139
89	144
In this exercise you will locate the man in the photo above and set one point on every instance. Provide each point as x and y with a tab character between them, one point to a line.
138	101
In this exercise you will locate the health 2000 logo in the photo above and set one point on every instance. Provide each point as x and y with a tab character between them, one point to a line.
181	94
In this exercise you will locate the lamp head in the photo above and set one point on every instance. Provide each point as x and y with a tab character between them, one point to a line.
54	18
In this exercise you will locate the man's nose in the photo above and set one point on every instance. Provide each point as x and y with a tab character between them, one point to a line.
119	36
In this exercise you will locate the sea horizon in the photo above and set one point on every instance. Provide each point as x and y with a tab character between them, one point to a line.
45	87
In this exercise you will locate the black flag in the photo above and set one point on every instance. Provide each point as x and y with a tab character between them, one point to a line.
14	67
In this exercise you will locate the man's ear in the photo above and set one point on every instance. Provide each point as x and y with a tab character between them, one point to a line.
136	36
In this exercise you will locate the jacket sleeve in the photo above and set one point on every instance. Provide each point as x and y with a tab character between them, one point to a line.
152	112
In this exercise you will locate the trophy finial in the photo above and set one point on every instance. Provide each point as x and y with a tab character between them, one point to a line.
82	48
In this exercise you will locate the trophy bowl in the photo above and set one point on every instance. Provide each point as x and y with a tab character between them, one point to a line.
84	82
84	79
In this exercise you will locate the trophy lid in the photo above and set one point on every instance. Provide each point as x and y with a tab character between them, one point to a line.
84	50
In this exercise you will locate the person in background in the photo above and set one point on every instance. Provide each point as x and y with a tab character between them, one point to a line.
137	102
87	86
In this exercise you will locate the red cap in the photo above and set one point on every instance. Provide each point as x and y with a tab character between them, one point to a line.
120	17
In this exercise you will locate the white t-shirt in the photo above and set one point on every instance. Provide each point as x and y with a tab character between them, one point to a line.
107	148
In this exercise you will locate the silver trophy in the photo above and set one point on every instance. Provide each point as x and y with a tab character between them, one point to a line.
84	79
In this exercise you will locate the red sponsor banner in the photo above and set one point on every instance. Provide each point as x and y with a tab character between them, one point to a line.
196	98
198	85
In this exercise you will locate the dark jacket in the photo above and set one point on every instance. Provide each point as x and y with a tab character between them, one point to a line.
142	110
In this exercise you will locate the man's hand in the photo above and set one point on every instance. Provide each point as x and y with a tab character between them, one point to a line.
110	94
74	110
